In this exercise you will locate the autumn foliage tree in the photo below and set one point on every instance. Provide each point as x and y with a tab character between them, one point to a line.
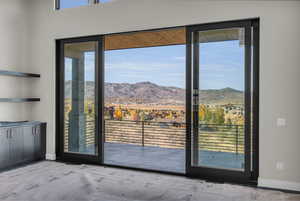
211	116
118	113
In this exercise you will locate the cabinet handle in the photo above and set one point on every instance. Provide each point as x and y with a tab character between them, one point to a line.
7	133
10	133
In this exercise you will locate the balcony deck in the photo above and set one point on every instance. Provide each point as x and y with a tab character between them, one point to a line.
165	159
161	145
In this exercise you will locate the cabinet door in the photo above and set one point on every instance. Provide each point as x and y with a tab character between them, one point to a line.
16	145
4	148
37	141
28	132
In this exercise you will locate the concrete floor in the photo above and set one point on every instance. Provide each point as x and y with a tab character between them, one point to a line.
166	159
53	181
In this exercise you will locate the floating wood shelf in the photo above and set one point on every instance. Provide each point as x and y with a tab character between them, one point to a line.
18	74
18	100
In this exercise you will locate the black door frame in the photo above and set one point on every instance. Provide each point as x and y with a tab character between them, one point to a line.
205	173
99	79
192	68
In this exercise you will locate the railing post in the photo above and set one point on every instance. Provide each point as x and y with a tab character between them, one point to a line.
237	138
143	134
104	134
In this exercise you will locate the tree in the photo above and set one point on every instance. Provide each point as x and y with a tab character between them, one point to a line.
229	122
219	117
118	113
208	116
202	112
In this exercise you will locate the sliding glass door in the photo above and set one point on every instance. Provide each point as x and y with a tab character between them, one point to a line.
80	96
149	112
144	102
221	101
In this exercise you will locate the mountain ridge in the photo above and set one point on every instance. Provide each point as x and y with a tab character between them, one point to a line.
150	93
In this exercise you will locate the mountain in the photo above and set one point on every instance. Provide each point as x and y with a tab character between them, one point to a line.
150	93
222	96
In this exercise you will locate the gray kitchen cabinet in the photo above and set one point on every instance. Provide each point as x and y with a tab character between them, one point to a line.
33	143
16	145
4	148
37	141
20	144
29	147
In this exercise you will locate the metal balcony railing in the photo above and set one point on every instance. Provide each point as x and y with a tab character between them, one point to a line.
212	137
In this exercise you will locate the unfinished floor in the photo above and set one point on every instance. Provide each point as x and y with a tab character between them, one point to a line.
53	181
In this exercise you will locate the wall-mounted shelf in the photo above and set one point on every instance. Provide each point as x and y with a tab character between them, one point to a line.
18	100
18	74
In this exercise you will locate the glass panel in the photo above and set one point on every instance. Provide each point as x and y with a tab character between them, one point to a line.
145	100
79	98
218	137
73	3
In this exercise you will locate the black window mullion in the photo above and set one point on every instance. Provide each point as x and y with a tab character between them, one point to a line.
100	98
196	70
248	97
188	99
255	99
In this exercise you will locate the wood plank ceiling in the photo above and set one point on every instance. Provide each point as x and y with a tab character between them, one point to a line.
164	37
145	39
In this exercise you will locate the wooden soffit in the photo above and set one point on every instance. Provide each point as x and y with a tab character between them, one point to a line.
165	37
145	39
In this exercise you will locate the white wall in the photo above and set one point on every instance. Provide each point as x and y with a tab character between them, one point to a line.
279	64
13	49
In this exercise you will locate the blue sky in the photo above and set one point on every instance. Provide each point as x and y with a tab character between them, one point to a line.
76	3
161	65
221	65
72	3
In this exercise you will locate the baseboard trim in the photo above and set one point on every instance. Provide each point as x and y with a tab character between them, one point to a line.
279	184
51	157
